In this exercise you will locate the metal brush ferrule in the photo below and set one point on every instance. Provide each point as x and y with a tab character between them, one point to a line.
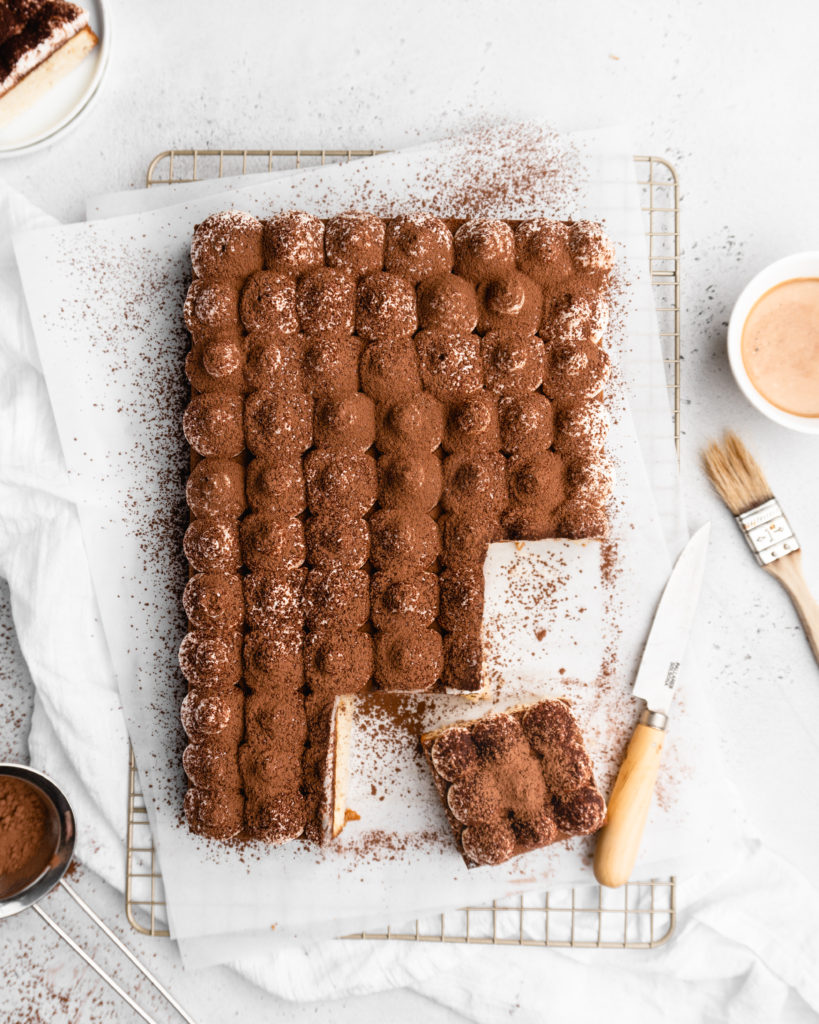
768	532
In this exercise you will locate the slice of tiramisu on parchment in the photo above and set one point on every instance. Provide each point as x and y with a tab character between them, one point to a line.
514	781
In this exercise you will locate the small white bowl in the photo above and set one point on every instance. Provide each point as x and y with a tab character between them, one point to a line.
800	264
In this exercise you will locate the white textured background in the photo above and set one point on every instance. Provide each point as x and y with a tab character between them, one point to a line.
727	91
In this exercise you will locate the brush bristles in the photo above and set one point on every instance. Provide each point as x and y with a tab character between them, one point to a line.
736	475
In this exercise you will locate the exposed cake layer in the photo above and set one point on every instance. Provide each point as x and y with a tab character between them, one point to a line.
374	402
515	781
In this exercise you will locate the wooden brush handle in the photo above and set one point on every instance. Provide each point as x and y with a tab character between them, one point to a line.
618	842
788	570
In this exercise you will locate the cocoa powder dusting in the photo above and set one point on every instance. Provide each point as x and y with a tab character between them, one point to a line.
514	781
349	427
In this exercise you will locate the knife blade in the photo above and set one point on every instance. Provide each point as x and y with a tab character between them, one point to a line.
657	676
618	842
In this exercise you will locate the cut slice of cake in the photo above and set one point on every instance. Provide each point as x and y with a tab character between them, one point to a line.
40	43
515	781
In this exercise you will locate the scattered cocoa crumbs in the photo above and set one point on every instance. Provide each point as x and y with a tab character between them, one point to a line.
39	989
378	845
15	686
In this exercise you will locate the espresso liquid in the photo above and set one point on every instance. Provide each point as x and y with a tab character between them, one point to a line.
780	346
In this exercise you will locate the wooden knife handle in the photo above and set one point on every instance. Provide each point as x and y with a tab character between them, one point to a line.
618	842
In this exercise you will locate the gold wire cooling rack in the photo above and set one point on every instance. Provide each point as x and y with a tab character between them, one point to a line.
640	915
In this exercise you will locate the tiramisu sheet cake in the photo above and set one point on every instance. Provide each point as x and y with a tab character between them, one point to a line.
515	781
40	41
373	402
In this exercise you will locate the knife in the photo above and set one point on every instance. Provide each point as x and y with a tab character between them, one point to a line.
618	842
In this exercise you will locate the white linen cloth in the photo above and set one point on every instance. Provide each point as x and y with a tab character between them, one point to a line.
746	935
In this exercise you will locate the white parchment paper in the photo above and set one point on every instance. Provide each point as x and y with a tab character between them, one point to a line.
105	300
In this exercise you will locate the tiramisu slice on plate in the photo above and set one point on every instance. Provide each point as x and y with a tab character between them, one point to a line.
40	43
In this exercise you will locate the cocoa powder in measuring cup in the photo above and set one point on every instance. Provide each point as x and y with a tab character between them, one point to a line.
27	838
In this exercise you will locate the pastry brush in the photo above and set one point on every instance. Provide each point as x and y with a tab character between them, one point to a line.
741	484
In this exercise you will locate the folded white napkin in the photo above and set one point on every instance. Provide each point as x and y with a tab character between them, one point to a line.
746	938
744	950
78	730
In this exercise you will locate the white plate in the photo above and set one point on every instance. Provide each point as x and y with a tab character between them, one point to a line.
800	264
62	106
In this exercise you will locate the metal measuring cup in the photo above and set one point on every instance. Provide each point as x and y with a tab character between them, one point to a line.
48	874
